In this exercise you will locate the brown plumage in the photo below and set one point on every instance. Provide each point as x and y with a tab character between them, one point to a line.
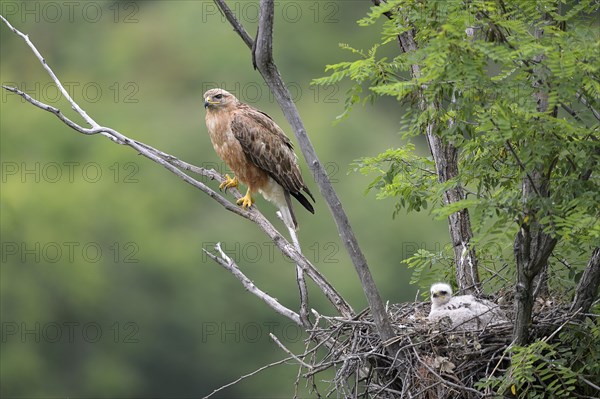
257	151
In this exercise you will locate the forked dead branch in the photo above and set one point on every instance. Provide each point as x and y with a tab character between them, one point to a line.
177	167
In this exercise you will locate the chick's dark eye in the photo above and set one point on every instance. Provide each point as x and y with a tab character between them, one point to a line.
219	96
443	292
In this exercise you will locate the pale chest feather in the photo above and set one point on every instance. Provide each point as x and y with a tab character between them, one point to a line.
223	140
230	150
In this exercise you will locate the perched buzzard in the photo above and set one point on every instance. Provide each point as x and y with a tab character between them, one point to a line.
465	312
260	155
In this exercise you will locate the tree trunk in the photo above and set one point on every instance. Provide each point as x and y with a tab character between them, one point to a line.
445	156
587	289
532	246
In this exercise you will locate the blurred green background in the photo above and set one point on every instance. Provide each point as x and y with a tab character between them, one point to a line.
105	291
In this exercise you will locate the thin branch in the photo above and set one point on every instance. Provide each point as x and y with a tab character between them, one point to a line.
56	112
243	377
290	251
510	148
289	352
303	298
571	112
300	279
570	317
585	102
210	173
582	378
237	26
231	266
64	92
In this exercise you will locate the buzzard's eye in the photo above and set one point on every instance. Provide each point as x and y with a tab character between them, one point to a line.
219	96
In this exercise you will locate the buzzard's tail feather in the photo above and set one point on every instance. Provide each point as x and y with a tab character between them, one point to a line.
287	212
304	201
309	193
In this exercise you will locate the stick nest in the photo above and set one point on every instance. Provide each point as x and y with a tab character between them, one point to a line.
432	360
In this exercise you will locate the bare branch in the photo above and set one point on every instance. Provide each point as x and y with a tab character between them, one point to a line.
290	251
64	92
300	279
582	378
510	148
289	352
231	266
237	26
54	111
572	112
243	377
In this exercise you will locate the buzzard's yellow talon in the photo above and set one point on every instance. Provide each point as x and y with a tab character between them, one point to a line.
246	201
229	182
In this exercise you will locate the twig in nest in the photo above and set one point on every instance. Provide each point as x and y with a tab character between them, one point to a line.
286	350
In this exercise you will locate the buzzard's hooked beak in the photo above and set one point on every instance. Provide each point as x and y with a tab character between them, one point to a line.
208	102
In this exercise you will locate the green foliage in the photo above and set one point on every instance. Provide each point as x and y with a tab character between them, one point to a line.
513	86
428	268
557	370
367	68
477	87
401	174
